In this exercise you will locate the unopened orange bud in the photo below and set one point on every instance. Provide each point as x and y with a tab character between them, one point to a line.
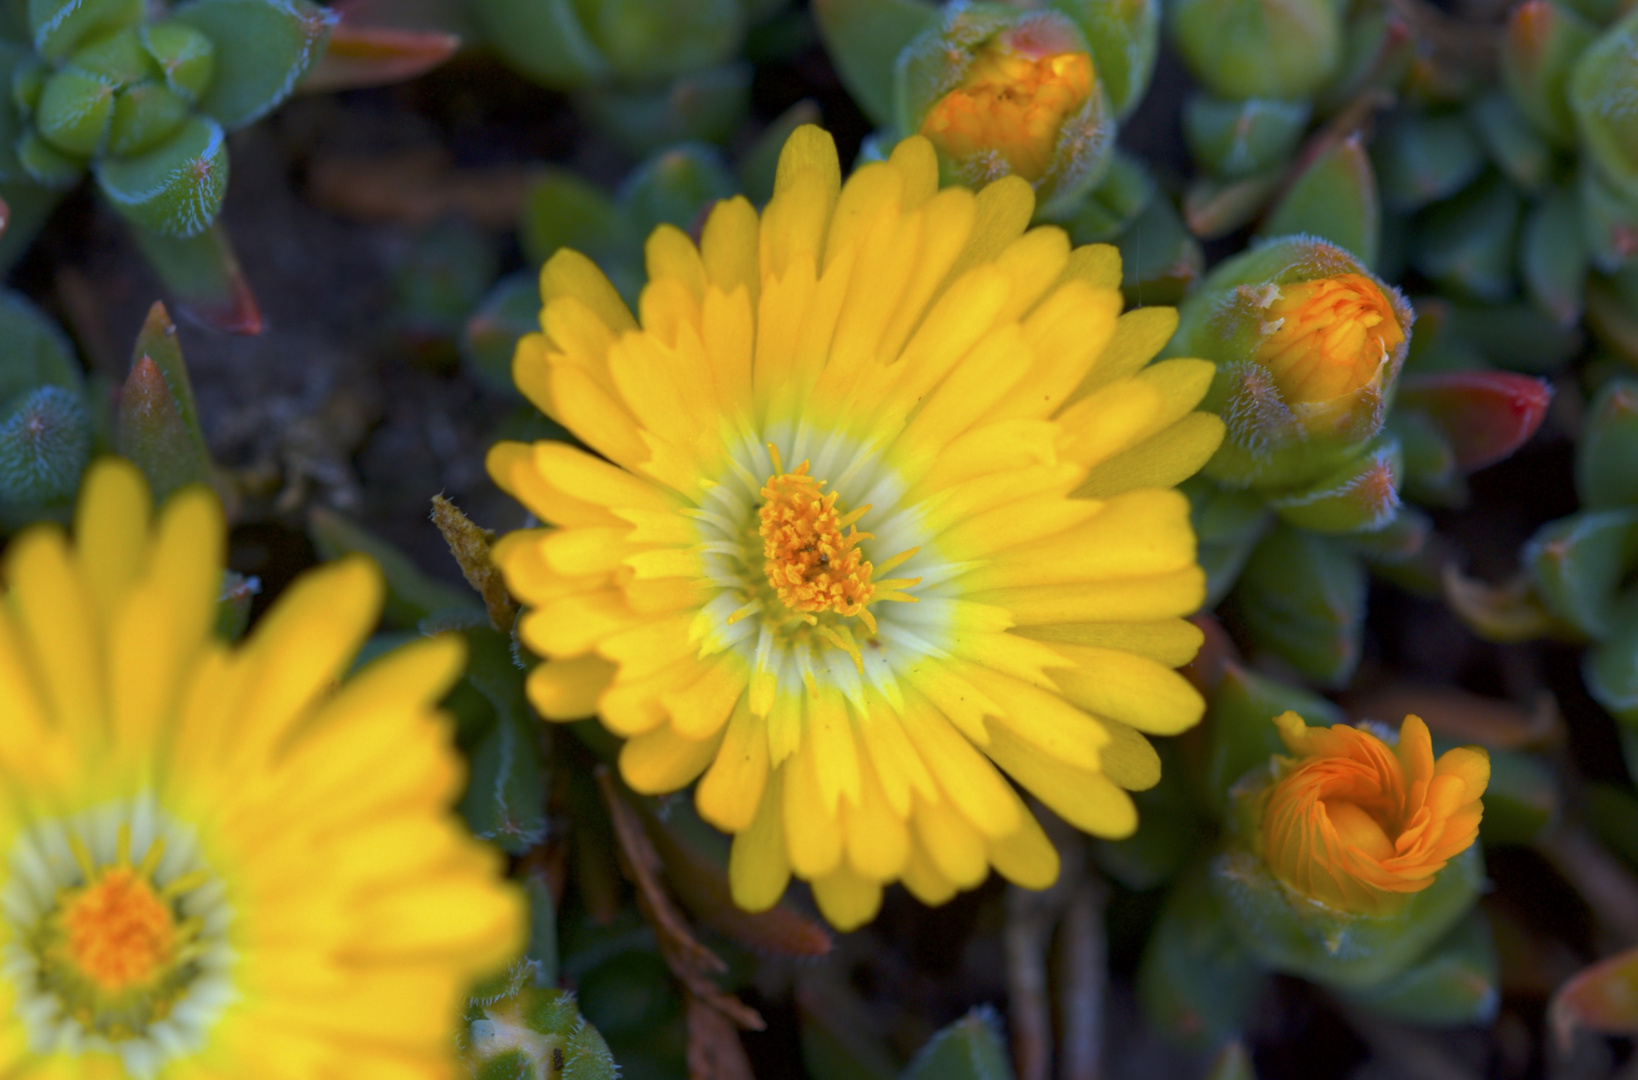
1357	824
1009	110
1334	334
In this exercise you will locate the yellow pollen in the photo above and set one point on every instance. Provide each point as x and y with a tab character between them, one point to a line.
811	564
118	932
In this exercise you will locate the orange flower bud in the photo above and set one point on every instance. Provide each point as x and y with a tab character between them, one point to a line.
1357	824
1008	111
1334	334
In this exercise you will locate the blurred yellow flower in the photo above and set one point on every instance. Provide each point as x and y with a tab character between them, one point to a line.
216	861
883	502
1335	335
1357	824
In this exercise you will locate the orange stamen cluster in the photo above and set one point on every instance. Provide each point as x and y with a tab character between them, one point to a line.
1333	335
114	948
811	564
1013	105
118	932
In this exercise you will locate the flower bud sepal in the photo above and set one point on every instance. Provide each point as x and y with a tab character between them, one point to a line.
1301	936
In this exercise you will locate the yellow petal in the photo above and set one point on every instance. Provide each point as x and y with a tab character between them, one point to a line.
731	792
661	761
569	689
758	866
847	900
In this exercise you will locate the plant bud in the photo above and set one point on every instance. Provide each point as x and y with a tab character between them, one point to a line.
1606	463
1001	93
1125	36
1236	139
45	444
1356	824
1308	347
1541	47
1286	49
1603	90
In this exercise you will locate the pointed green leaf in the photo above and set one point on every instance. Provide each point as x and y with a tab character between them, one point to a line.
969	1049
1539	51
37	352
262	49
152	433
186	58
1303	598
1455	984
1601	94
204	273
45	164
1281	49
1606	463
1236	139
1426	157
864	39
1467	242
705	105
1579	562
1125	37
1195	981
59	26
1512	143
75	110
1335	199
176	188
505	800
1362	496
1553	256
544	40
118	58
674	186
1228	524
145	114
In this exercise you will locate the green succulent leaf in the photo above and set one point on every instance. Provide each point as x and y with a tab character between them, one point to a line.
1334	199
1240	138
1302	597
45	164
1516	148
674	186
118	57
60	26
262	49
1456	983
1362	496
37	352
186	58
1601	94
1240	734
145	113
1606	463
28	78
705	105
1424	158
1467	244
1578	564
656	40
1553	256
1540	49
174	189
75	111
45	444
544	40
1283	49
864	39
1195	980
969	1049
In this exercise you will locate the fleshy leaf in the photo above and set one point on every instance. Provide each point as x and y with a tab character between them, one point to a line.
1194	979
544	40
1553	256
61	25
45	444
1362	496
1485	415
176	188
1456	983
360	56
1236	139
1334	198
864	39
1606	463
204	273
1603	997
1579	562
1302	597
263	48
969	1049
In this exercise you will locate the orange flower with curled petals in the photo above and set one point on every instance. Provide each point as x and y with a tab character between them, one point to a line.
1333	336
1357	824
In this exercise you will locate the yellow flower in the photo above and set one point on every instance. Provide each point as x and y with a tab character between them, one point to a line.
1357	824
882	503
216	861
1336	335
1010	108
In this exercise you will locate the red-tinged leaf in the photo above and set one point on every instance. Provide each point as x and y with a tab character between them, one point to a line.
360	56
1601	998
1486	415
204	274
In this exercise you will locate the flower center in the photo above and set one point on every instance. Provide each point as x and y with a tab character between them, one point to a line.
811	564
1331	336
115	949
